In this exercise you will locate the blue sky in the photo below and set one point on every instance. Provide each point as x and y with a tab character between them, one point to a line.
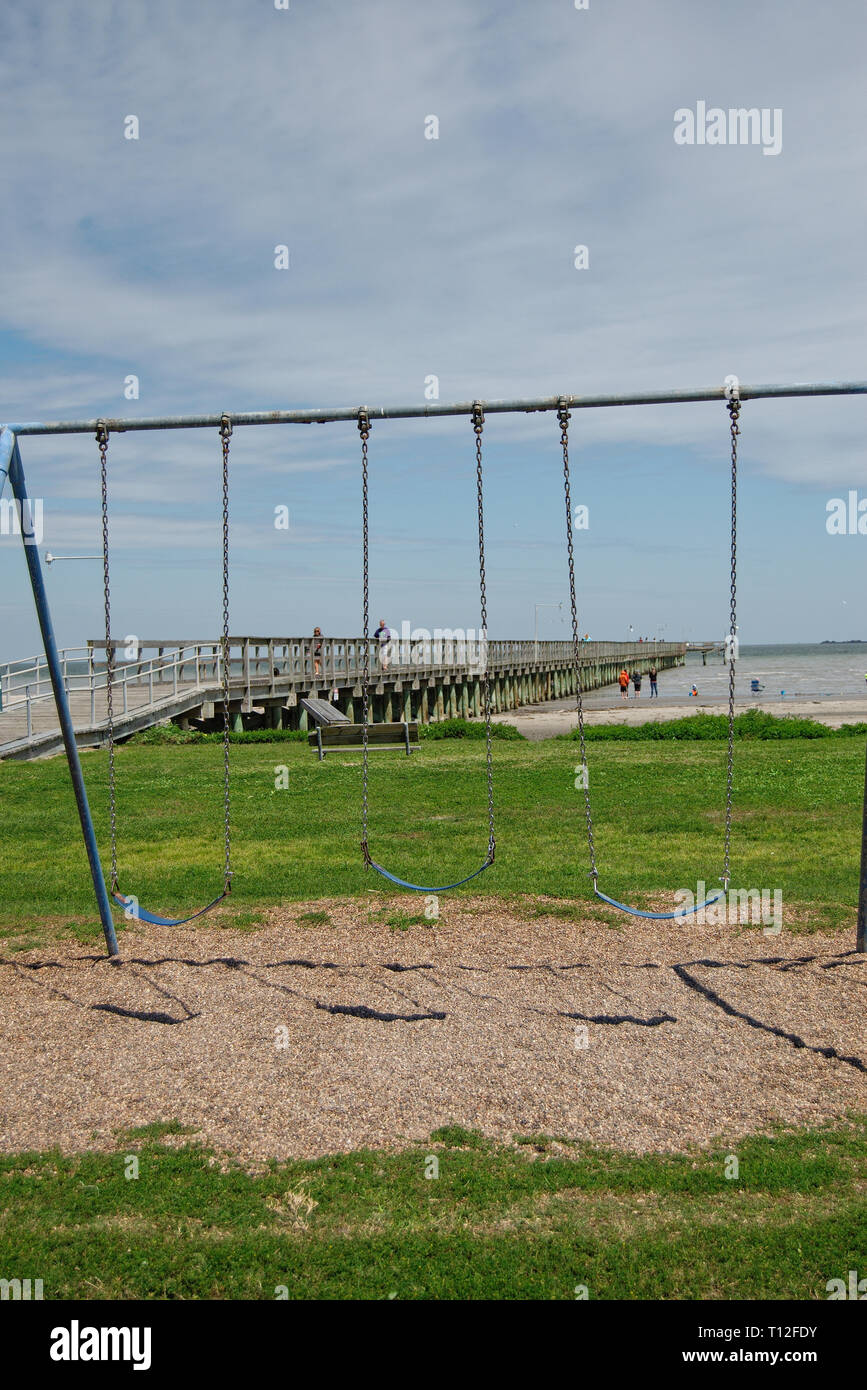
453	257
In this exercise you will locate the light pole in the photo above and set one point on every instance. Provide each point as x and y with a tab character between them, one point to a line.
49	558
536	608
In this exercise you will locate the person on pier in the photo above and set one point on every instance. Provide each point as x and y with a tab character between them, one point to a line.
383	637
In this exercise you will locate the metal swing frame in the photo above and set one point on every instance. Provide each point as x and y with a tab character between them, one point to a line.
11	467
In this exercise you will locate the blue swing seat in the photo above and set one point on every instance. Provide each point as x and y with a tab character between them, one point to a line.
418	887
141	914
658	916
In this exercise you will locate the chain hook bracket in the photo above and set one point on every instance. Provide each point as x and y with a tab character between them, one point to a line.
732	388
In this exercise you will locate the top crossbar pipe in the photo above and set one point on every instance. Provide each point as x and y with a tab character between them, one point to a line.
410	412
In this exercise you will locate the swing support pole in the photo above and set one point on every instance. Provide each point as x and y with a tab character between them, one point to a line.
10	462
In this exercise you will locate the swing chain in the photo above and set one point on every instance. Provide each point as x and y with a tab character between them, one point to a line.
563	416
102	441
364	430
478	426
734	409
225	436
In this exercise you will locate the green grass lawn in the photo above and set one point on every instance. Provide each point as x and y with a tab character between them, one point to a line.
658	810
537	1220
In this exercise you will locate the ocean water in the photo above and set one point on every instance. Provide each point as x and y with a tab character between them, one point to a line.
833	670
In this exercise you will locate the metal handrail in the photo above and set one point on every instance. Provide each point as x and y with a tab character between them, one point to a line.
14	675
18	692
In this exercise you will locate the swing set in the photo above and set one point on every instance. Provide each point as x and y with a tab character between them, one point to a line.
731	393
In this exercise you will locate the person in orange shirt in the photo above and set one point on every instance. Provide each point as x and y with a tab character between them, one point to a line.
624	683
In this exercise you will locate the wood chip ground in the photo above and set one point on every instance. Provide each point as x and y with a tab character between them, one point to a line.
299	1040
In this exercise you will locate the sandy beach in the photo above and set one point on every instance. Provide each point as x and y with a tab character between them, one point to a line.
601	707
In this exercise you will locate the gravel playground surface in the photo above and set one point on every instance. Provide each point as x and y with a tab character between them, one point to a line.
299	1040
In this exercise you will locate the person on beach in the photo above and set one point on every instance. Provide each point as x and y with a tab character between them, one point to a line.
317	651
636	683
383	637
623	678
653	690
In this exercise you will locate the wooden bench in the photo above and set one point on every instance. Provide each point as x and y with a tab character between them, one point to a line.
324	712
379	736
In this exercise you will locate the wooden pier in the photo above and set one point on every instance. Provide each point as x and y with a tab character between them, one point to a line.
181	681
707	649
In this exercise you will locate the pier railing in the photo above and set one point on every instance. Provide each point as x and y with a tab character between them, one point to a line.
257	662
25	683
